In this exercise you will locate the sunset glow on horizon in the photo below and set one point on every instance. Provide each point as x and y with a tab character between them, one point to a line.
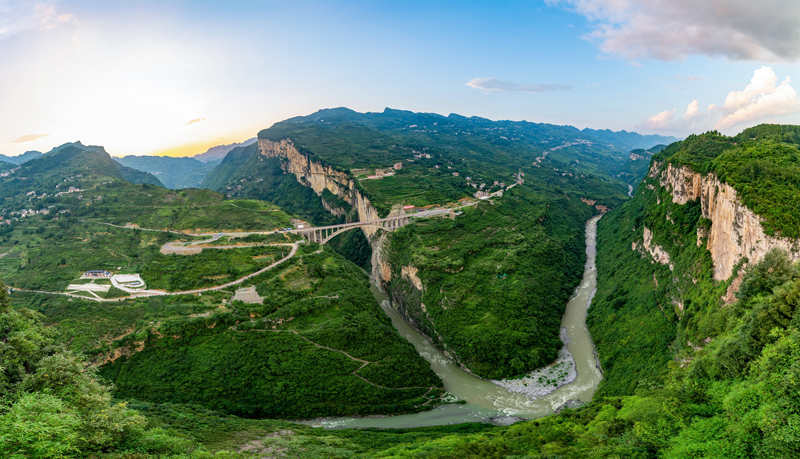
175	78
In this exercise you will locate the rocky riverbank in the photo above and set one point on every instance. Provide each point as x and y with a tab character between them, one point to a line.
543	381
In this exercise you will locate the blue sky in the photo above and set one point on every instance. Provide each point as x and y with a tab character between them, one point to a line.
177	77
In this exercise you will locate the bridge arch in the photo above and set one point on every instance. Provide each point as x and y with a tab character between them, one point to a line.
323	234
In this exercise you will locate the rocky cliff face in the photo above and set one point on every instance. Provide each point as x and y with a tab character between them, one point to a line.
735	232
319	177
404	290
656	251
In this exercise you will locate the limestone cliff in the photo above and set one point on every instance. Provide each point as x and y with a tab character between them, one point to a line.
319	176
736	230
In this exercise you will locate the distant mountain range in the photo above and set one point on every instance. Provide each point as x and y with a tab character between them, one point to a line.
174	173
19	159
190	172
81	165
219	152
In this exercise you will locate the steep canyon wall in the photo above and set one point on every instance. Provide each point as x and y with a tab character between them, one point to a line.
404	291
736	230
319	176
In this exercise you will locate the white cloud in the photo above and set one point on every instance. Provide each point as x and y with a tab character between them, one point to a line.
196	120
17	16
767	30
30	138
692	111
493	84
660	121
762	99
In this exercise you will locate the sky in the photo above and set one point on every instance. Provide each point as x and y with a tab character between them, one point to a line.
177	77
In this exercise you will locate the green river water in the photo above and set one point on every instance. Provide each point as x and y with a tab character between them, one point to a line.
487	401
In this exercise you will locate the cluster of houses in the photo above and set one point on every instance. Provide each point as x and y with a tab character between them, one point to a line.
7	173
96	274
487	195
538	161
379	174
569	144
71	189
30	212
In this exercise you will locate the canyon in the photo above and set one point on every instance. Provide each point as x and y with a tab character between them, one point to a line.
735	232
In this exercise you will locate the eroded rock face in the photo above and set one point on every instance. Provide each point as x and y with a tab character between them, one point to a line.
381	269
656	251
410	273
318	177
735	232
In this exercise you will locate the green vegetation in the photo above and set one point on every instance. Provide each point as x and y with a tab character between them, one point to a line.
498	277
52	405
47	255
96	329
273	238
245	174
736	397
354	246
209	268
634	315
762	164
301	354
496	327
432	148
71	164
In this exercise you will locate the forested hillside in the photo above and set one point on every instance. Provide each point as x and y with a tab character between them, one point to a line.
432	148
496	280
71	164
510	249
313	342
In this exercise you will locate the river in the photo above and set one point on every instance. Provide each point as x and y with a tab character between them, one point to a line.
486	400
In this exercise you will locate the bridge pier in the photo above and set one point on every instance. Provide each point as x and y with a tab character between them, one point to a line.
323	234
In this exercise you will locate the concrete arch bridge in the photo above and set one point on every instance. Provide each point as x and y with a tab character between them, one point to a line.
323	234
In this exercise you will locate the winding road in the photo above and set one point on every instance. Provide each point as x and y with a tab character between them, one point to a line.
148	293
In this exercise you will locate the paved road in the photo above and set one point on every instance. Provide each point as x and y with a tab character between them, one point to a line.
214	236
149	293
188	248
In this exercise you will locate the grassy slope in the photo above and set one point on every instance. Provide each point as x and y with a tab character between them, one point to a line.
41	252
269	371
349	320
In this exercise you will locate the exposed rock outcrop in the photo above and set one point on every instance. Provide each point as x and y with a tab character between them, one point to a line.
319	176
381	269
735	231
656	251
338	211
410	274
